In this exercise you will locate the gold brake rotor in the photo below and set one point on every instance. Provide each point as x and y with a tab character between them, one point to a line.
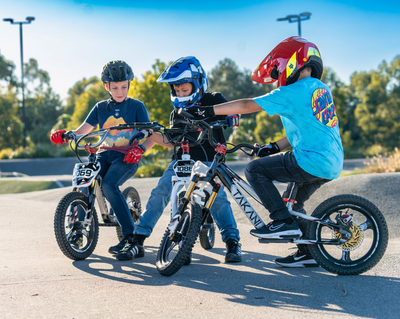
357	236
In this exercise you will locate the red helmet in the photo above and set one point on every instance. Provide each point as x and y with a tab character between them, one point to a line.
286	60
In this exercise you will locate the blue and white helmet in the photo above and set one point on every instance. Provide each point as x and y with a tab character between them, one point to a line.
186	70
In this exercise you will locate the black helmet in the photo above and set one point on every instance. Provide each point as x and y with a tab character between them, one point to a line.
116	71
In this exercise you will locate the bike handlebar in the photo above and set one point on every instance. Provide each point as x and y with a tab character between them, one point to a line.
209	128
194	126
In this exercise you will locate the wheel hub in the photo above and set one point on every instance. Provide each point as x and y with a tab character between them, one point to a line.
357	236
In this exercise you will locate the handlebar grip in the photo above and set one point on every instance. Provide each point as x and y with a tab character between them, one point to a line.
67	136
131	140
185	114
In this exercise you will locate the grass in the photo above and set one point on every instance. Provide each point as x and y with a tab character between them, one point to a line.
380	163
384	163
18	186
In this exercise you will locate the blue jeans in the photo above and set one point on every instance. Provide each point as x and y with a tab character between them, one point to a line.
160	196
280	167
115	172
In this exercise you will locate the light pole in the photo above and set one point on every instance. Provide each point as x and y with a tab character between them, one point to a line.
297	18
28	21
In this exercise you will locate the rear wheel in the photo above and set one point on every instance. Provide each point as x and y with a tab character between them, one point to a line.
132	198
175	248
207	233
75	240
368	241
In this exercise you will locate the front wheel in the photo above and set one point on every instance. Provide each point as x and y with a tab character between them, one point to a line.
75	240
368	241
132	198
175	248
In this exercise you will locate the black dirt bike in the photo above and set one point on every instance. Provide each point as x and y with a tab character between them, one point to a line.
76	224
347	234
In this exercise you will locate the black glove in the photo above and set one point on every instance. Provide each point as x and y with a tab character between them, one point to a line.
201	112
269	149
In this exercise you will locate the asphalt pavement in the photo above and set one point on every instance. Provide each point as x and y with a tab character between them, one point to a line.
38	281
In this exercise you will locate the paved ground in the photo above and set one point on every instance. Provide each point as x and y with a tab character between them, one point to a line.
38	281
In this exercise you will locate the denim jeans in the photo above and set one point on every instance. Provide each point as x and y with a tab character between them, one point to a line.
114	172
280	167
160	196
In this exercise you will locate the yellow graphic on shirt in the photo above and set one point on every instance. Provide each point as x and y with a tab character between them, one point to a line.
323	107
116	138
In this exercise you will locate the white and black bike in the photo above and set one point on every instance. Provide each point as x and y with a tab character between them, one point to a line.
180	181
347	234
76	224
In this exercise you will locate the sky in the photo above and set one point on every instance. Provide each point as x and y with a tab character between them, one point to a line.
74	39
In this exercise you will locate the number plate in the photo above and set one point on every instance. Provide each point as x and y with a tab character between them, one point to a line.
183	168
84	174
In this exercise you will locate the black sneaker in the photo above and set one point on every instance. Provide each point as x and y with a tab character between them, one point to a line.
233	251
131	250
278	230
113	250
76	240
297	260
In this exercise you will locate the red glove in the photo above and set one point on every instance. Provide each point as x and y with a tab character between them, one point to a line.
56	137
134	155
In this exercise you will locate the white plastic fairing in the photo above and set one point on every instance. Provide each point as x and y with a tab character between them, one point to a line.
84	174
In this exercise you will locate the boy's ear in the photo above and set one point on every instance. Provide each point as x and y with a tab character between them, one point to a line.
107	86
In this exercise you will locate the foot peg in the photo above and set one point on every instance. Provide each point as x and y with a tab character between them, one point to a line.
283	239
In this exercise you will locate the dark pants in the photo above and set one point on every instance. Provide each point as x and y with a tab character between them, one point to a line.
115	172
283	168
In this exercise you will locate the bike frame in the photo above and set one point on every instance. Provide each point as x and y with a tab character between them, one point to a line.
219	171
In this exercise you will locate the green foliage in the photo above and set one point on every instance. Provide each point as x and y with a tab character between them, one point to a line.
377	110
7	71
233	83
85	102
267	128
244	133
153	167
10	123
42	105
76	91
157	99
155	96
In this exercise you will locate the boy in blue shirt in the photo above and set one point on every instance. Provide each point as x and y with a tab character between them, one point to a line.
306	108
119	161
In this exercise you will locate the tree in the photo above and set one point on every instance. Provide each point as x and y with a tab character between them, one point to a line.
233	83
85	102
155	96
75	92
43	106
7	71
11	132
377	111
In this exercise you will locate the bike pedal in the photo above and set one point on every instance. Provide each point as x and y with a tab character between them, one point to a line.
109	224
208	226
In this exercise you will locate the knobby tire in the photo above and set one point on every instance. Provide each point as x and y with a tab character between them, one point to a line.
61	231
375	243
189	230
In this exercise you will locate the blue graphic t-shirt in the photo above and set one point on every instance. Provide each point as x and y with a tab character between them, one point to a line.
308	115
105	116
